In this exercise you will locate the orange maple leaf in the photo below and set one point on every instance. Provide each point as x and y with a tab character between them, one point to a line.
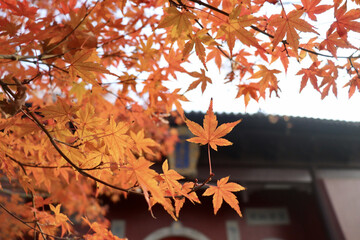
83	64
333	42
179	21
345	21
117	139
61	219
216	54
143	144
201	37
145	176
248	91
331	74
310	73
210	134
287	24
223	191
311	8
20	8
191	195
61	110
235	27
353	84
171	178
268	79
203	79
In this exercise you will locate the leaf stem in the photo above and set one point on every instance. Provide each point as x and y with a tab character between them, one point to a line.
210	169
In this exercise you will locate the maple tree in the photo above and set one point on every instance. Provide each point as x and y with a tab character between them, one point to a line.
85	101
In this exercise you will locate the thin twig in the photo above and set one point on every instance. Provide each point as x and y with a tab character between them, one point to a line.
352	65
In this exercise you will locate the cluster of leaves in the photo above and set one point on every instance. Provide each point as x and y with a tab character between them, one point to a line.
84	102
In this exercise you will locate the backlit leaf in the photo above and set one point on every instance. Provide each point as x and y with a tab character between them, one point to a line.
210	133
224	192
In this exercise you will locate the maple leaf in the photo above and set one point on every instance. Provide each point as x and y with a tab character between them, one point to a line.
100	231
310	45
171	178
191	195
201	37
353	84
268	79
78	89
287	24
330	75
60	110
203	79
19	8
87	121
328	82
210	133
179	21
83	64
117	139
223	191
235	27
311	8
216	54
248	91
310	73
345	21
128	81
174	60
333	42
61	219
142	144
67	6
283	53
146	178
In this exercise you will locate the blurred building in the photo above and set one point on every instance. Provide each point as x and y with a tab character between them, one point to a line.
302	178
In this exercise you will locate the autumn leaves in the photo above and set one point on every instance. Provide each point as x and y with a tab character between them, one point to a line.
205	28
107	131
211	135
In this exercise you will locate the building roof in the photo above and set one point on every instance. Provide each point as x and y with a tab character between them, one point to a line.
286	141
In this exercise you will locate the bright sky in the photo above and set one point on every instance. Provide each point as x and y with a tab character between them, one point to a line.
306	104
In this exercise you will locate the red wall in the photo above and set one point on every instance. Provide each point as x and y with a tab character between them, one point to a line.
305	222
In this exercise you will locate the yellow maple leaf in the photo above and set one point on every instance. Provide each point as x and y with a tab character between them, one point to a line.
61	110
83	64
117	139
202	78
235	28
210	134
268	79
288	24
143	144
145	176
223	191
171	178
179	21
